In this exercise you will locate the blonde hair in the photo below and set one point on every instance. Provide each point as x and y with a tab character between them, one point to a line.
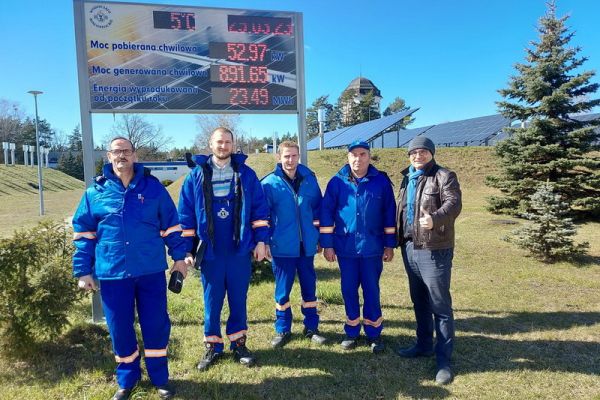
288	144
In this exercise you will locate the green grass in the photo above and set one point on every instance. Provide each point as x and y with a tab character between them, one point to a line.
525	330
19	201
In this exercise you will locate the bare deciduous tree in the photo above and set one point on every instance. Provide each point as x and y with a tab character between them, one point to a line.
147	138
207	123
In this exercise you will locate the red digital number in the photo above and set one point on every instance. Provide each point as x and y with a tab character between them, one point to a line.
242	97
283	29
258	74
175	21
257	51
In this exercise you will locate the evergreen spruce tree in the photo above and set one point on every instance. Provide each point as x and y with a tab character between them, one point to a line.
551	146
549	234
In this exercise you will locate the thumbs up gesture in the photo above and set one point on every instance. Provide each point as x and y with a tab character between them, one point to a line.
425	221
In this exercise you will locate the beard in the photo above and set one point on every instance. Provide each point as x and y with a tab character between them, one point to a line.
222	156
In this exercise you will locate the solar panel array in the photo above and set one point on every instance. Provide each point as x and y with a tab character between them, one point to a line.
480	131
468	132
399	138
366	131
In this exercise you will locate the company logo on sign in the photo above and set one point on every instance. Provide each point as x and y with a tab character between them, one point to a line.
101	17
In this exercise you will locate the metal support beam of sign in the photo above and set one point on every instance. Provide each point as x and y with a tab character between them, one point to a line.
153	58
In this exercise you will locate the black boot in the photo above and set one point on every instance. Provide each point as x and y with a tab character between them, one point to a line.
280	339
211	355
242	354
376	345
165	392
122	394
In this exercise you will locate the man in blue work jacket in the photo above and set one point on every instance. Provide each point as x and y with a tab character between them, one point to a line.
358	229
121	227
294	199
224	215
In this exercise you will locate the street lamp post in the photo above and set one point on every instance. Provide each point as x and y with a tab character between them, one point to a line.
37	144
321	121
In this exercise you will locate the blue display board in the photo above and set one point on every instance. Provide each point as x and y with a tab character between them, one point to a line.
158	58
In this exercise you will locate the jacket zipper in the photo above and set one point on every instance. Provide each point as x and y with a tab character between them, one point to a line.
297	208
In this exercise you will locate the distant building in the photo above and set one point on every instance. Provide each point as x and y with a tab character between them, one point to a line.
167	170
268	148
362	86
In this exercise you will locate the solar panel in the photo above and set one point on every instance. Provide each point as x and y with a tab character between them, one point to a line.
399	138
586	117
313	144
363	131
468	132
367	130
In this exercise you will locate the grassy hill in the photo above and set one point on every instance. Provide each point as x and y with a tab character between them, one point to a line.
19	179
525	330
19	201
471	164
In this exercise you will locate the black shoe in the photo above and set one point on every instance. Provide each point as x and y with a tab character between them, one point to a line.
349	343
281	339
210	357
413	352
242	354
314	336
122	394
376	345
444	376
165	392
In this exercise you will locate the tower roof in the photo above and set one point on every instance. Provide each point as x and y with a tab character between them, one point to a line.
363	85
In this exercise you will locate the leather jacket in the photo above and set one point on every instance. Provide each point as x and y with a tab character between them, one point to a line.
438	192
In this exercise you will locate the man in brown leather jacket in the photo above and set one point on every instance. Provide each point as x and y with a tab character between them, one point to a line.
429	202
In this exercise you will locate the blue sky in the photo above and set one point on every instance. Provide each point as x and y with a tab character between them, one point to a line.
447	57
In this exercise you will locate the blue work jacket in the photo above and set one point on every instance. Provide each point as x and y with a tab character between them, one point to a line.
251	213
122	232
358	218
294	216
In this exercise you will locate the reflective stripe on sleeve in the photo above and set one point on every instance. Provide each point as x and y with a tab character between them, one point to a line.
326	229
188	232
259	223
174	228
88	235
316	222
390	230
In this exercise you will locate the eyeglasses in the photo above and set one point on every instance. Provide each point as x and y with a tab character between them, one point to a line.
418	152
124	152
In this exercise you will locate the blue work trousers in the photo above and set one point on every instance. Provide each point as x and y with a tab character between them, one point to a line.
120	298
429	274
362	272
225	275
285	269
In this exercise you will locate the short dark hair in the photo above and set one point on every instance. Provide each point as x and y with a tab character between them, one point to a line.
224	130
121	138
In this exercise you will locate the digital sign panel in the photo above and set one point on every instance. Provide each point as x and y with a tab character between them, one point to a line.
160	58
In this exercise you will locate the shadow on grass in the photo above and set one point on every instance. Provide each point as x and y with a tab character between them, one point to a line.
322	374
527	322
84	347
586	261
